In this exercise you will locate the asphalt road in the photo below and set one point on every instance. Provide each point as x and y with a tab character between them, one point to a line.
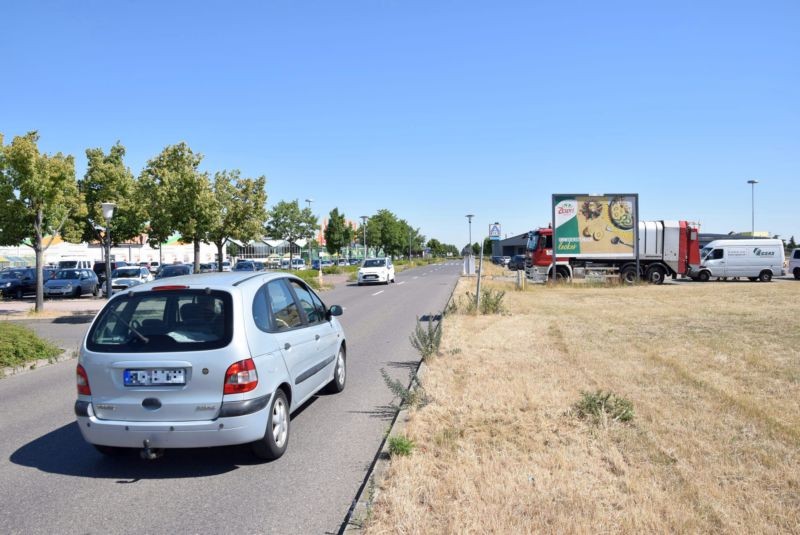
51	481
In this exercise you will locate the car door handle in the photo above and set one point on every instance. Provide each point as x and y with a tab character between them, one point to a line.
287	346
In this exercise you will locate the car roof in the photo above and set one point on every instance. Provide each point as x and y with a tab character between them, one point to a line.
213	280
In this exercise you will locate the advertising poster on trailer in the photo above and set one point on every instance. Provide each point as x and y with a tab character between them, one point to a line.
595	226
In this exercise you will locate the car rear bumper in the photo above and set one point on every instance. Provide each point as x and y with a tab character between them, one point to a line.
223	431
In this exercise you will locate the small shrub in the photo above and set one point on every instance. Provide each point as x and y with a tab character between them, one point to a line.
455	351
400	445
492	301
427	341
311	276
409	397
603	406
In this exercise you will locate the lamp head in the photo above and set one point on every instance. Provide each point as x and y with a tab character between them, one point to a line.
108	210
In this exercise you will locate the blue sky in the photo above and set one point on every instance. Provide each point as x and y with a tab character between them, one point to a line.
432	109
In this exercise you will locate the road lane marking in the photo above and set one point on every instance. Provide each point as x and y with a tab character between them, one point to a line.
401	282
376	293
416	277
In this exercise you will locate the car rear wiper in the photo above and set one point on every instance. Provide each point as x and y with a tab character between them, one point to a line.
142	337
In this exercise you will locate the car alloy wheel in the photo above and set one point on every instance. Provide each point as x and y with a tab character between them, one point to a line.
276	435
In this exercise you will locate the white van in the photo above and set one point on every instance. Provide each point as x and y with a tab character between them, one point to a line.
755	259
75	263
794	264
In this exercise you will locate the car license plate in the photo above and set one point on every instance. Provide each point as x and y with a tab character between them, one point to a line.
155	377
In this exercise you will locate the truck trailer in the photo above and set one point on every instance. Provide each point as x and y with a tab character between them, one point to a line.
666	249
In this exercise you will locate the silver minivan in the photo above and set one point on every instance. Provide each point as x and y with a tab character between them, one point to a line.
206	360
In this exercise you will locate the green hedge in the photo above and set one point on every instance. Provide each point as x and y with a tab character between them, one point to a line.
19	345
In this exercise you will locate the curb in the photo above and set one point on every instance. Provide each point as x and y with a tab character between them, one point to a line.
36	364
360	508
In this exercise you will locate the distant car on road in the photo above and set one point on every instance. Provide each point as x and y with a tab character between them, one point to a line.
794	263
174	270
73	283
517	263
244	265
99	269
376	270
139	376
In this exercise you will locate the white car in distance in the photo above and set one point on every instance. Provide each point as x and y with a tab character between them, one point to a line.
376	270
206	360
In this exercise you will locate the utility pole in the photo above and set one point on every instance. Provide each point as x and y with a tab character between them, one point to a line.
364	225
752	207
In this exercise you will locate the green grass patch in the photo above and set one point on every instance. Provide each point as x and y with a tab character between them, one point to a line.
311	276
400	445
601	407
19	345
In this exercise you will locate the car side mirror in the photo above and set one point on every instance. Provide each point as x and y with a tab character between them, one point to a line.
335	310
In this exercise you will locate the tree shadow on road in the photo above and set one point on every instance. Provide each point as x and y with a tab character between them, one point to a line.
65	452
381	412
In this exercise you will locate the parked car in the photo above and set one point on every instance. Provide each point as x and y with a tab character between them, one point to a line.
99	269
139	376
260	266
376	270
226	266
19	282
794	263
174	270
128	276
244	265
354	261
497	260
154	267
341	262
207	267
517	263
76	263
299	263
72	282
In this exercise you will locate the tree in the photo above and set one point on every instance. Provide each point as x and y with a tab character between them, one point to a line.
179	197
41	195
384	231
288	222
240	210
107	179
338	233
792	244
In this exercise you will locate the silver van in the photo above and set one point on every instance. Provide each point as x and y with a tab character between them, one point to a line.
756	259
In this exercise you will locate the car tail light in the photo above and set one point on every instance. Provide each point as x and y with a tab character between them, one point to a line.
83	381
241	377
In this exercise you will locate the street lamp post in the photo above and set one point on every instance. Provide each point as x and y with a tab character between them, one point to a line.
108	214
752	207
364	224
309	201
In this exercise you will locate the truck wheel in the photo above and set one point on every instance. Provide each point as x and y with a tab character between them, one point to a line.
765	276
704	276
656	274
797	273
628	274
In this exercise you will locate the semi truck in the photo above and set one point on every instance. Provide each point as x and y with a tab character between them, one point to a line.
666	249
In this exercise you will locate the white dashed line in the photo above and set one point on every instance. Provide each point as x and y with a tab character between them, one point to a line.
416	277
376	293
401	282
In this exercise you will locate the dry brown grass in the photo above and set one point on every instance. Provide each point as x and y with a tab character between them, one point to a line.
713	371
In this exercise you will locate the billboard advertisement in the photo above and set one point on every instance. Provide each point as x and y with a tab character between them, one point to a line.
595	226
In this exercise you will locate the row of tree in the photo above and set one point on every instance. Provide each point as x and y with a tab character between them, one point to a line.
41	198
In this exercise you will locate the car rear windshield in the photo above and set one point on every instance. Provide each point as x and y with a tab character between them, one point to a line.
126	272
170	320
374	263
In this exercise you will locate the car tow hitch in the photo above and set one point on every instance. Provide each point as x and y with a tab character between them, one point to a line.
150	454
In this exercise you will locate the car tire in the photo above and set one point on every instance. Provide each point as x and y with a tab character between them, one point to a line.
77	292
276	435
704	276
339	380
765	276
111	451
96	290
796	273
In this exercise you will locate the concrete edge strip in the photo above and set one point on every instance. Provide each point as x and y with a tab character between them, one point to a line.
36	364
363	501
